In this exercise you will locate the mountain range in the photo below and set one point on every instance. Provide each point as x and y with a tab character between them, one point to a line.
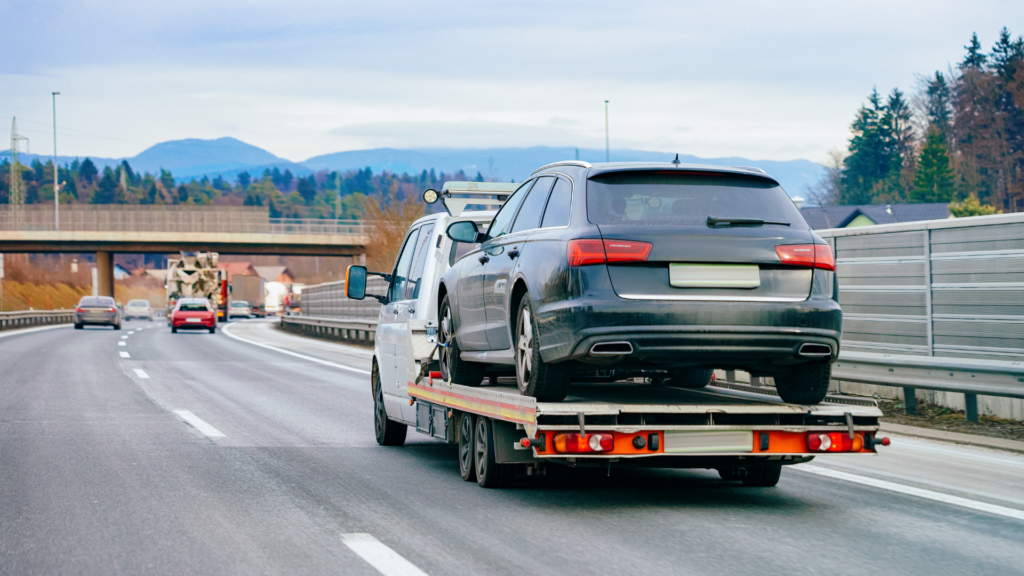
194	158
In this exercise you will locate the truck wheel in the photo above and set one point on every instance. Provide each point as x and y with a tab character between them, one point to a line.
804	384
763	476
489	473
537	378
453	369
732	474
389	432
466	465
693	378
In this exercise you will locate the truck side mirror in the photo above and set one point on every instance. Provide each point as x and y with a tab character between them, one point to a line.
355	282
464	231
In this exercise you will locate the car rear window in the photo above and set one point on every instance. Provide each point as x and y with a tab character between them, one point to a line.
138	302
239	304
686	199
96	301
192	307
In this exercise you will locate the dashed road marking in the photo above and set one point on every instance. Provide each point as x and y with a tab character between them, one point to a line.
225	330
199	424
378	555
122	343
910	490
125	354
125	337
141	373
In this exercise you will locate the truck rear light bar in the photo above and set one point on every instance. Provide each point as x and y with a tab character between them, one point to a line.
807	255
573	443
834	442
590	252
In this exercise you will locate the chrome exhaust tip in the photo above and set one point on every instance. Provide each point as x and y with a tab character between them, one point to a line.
611	349
816	350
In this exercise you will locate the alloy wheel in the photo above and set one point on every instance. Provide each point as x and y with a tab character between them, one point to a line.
466	446
524	350
480	444
446	338
379	416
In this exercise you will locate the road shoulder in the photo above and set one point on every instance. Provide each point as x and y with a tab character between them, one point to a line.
954	437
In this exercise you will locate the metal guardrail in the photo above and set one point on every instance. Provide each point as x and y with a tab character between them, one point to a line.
968	376
354	330
328	300
27	318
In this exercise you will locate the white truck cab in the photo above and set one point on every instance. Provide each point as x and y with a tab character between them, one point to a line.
410	305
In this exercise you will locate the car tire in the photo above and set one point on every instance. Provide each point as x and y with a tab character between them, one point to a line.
174	330
763	476
388	432
213	330
804	384
489	473
692	378
78	326
117	326
544	381
453	368
467	467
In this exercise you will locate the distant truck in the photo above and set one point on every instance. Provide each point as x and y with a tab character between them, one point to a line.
252	290
195	275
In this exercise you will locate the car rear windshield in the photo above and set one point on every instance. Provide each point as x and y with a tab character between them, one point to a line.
138	303
192	307
655	198
94	301
239	304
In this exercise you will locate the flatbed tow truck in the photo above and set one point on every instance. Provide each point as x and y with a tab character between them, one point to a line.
746	433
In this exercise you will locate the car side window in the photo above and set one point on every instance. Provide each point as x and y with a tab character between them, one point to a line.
557	212
508	211
533	206
423	248
460	249
401	275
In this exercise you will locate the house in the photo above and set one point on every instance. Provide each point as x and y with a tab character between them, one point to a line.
824	217
236	268
120	272
275	274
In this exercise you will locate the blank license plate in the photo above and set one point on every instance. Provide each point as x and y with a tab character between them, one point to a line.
714	275
193	319
709	441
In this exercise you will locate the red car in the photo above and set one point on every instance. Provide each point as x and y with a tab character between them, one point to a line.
194	314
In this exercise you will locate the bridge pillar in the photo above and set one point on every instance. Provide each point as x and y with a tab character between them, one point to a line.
105	273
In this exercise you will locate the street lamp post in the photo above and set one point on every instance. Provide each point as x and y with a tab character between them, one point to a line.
607	146
56	183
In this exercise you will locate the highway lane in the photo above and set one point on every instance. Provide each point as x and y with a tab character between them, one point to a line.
100	474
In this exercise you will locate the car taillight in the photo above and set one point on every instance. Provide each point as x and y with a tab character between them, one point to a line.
111	309
79	309
578	443
809	255
834	442
588	252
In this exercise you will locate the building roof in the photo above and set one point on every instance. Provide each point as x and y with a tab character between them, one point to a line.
824	217
272	273
242	268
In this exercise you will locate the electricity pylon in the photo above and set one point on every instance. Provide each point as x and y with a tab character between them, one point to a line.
17	190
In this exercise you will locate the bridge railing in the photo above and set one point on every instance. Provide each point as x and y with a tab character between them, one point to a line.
27	318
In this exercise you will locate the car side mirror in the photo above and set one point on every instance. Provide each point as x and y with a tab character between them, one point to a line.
464	231
355	282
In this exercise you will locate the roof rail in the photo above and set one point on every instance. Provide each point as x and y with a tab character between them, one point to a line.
579	163
485	193
749	169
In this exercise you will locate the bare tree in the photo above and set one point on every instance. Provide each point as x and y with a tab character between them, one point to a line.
827	191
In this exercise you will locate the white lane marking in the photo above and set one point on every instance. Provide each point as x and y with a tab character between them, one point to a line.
124	337
376	554
225	330
141	373
122	343
892	486
131	332
17	331
125	354
199	424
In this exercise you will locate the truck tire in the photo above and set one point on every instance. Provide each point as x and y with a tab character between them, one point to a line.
692	378
453	368
537	378
804	384
467	467
731	474
763	476
489	473
389	432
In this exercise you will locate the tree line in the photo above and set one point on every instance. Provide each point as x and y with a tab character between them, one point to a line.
324	194
958	139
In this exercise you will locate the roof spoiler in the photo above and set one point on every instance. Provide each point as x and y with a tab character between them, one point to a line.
455	196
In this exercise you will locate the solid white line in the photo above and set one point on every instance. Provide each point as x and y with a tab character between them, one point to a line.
893	487
198	424
125	354
376	554
141	373
122	343
225	330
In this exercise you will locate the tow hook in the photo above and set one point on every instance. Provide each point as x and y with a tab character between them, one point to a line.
870	442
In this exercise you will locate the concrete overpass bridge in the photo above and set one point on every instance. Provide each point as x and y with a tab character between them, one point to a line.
107	230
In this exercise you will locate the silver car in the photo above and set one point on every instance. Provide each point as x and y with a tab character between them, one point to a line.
239	309
97	310
139	309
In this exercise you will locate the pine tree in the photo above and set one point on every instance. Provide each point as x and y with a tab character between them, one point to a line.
934	179
244	179
939	105
974	58
88	171
868	162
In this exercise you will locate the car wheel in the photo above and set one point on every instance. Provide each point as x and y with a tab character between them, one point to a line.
693	378
213	330
537	378
763	476
453	368
78	326
489	473
804	384
174	330
117	326
466	447
389	432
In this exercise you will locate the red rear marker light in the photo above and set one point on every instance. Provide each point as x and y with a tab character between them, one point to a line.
79	309
834	442
588	252
111	309
808	255
579	443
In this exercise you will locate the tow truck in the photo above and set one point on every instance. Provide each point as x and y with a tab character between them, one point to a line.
744	432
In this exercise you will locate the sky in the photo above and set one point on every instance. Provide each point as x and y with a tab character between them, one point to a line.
777	80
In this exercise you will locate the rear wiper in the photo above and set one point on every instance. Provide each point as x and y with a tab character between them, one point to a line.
712	221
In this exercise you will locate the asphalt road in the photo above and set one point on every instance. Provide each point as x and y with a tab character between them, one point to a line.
207	454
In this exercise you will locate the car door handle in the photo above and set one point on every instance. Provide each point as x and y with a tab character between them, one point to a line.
513	253
484	259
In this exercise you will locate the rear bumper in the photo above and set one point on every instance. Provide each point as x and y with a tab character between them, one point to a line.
96	320
195	325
